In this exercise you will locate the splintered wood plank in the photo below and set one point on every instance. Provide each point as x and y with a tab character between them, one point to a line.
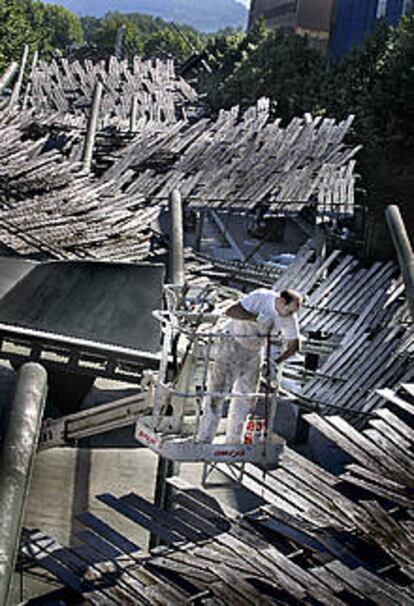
359	585
396	423
386	430
252	548
361	447
390	396
409	388
378	478
342	441
378	490
289	457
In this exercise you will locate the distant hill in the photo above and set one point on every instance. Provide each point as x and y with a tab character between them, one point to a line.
204	15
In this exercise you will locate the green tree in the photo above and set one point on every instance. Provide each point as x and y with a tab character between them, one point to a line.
169	42
266	63
61	28
15	30
45	28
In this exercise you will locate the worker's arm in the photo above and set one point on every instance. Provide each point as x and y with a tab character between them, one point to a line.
237	312
291	348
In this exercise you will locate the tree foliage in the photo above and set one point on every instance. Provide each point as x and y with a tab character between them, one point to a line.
144	35
44	27
265	63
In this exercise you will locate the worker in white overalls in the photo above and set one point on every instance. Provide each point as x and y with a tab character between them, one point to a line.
239	355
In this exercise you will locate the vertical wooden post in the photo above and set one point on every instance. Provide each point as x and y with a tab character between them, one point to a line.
18	84
30	81
133	117
92	127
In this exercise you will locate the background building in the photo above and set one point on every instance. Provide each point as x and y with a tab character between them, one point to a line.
334	26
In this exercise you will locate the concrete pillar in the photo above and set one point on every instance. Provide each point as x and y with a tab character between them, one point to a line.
92	127
16	463
404	251
8	75
176	257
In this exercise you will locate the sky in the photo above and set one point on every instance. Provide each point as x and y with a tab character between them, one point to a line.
245	2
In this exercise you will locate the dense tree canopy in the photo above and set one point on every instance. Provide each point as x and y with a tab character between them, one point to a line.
267	63
144	35
44	27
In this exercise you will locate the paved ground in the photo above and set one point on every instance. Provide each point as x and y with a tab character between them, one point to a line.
66	482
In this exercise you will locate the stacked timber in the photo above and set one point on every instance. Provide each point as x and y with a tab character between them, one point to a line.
240	161
66	87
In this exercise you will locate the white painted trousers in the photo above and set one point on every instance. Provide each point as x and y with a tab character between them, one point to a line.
237	369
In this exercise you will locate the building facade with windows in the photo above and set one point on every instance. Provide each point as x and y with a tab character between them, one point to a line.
333	26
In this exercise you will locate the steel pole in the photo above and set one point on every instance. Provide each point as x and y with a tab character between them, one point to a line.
8	75
404	251
92	127
16	462
176	257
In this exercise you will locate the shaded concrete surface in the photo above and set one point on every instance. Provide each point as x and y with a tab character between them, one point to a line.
110	303
66	482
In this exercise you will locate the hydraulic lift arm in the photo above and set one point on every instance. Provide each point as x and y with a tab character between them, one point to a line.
66	430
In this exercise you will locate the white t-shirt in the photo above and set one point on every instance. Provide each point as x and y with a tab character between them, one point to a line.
252	334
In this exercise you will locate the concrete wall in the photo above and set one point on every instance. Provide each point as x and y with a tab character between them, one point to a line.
278	14
316	15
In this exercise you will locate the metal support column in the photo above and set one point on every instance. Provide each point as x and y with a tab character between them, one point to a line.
92	127
166	468
16	462
404	251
